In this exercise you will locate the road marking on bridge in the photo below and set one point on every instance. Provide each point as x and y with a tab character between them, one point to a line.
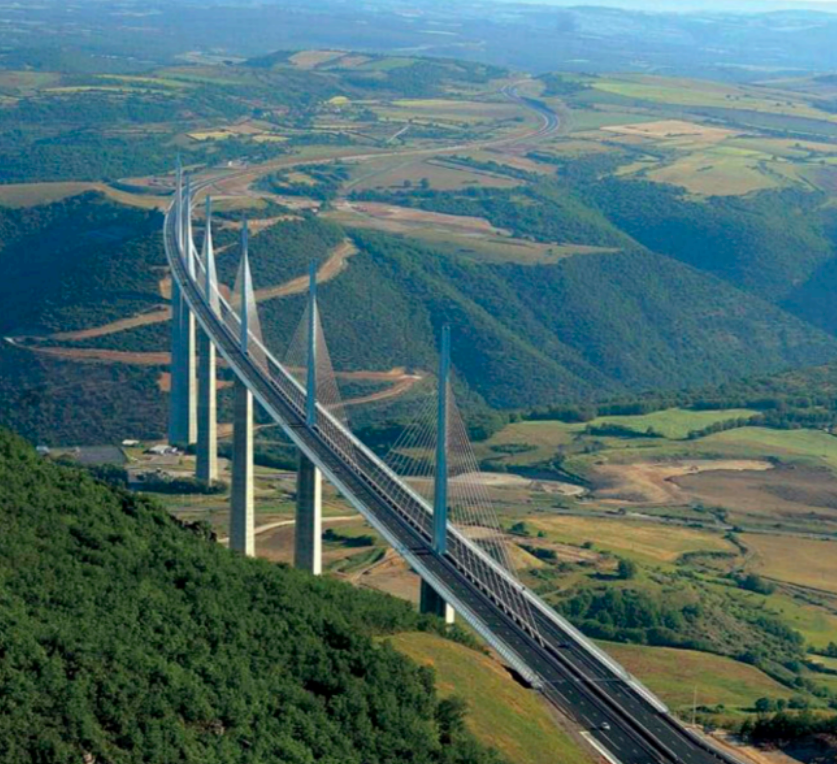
600	748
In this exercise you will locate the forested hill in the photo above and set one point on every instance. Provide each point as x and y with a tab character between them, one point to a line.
586	327
127	637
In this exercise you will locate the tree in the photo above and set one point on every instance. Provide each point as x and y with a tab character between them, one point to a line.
520	529
450	716
755	583
765	705
626	569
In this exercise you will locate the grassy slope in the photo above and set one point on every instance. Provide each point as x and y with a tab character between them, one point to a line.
503	714
805	562
802	445
674	675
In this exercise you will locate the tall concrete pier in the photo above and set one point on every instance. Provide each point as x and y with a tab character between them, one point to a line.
242	520
183	428
430	600
207	461
183	425
242	534
308	551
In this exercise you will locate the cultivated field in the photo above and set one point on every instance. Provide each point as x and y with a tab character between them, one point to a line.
441	175
32	194
805	562
645	541
461	235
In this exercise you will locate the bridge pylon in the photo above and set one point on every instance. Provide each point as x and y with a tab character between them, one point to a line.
207	454
431	601
308	541
242	518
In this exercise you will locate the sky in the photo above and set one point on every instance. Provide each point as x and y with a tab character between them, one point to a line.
755	6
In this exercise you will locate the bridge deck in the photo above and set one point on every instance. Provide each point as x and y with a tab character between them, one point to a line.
549	656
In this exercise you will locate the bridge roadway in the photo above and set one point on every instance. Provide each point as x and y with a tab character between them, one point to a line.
617	716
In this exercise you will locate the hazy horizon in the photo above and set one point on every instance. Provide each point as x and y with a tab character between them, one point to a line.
692	6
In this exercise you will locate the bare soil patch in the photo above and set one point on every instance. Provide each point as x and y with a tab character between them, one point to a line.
787	492
107	356
673	128
144	319
407	216
393	576
654	482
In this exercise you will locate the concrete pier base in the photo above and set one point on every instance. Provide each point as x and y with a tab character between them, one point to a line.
433	603
242	522
207	461
308	550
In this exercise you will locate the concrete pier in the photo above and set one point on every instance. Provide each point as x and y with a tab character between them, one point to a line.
242	522
308	550
207	461
183	409
433	603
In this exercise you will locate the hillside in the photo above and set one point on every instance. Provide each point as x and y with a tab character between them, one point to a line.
639	240
131	638
583	328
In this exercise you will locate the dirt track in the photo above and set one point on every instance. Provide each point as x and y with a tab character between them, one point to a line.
332	267
336	264
109	356
144	319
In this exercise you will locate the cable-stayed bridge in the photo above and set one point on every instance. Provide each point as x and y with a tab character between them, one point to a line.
450	538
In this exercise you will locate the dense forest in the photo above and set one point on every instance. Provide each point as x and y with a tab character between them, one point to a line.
591	326
132	638
104	261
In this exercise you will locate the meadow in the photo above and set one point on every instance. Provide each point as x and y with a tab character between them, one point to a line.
645	542
806	563
503	714
18	195
680	677
539	440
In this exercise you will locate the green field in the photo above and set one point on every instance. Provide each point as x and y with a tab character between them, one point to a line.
673	424
804	562
643	541
543	438
584	120
675	675
818	626
715	172
809	446
503	714
685	92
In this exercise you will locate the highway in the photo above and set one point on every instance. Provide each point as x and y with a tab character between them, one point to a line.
620	714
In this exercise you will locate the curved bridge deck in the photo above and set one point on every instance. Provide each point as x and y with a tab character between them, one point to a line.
623	717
